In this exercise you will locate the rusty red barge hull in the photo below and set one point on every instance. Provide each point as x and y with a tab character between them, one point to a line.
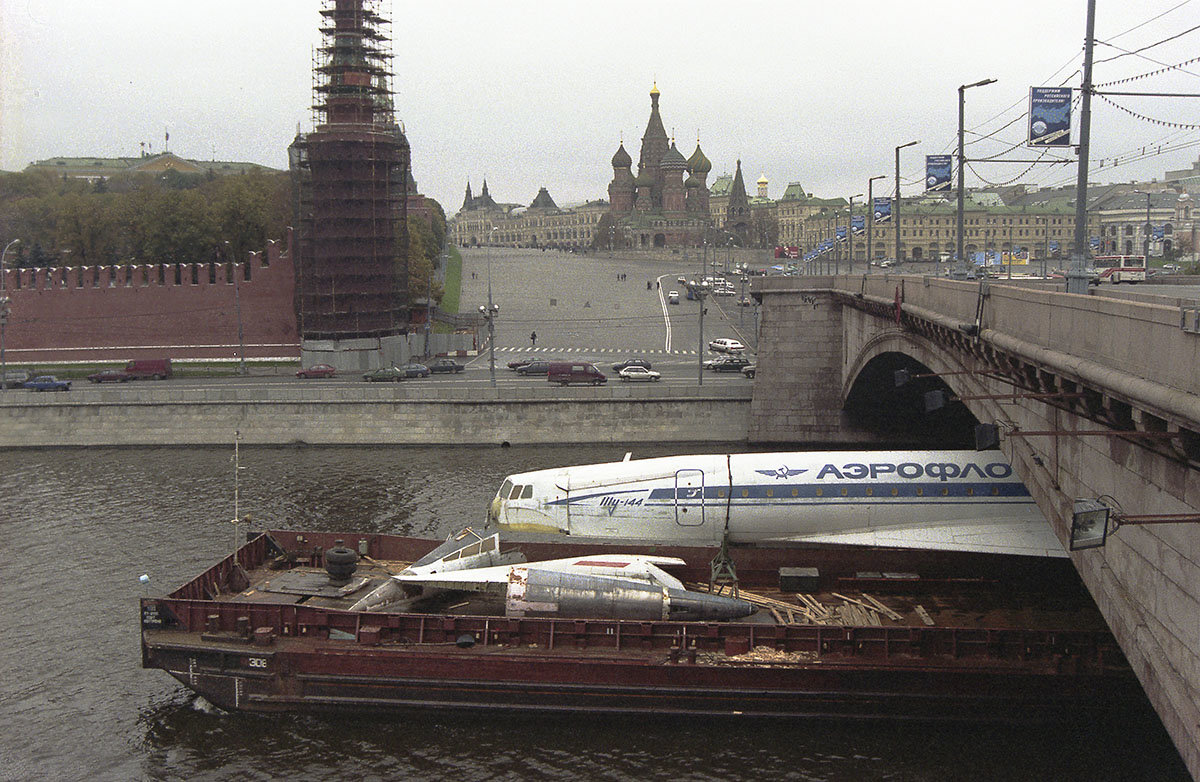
270	655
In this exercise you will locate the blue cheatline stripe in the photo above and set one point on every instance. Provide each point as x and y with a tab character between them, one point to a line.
811	493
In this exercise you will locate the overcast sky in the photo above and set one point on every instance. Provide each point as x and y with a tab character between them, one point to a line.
531	94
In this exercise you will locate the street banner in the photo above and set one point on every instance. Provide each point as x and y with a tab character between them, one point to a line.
1160	231
858	222
883	208
841	232
1049	116
937	173
1095	242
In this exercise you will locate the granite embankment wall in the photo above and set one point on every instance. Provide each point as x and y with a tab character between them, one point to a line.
383	414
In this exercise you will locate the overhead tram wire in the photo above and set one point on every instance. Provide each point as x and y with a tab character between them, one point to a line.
1138	52
1140	25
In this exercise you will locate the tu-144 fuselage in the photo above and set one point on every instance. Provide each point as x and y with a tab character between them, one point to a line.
956	500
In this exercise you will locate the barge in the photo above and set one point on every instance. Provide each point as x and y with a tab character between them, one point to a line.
837	631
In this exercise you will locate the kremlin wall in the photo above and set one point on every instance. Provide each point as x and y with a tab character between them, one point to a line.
177	311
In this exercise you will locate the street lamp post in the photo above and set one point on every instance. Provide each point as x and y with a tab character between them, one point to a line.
699	291
961	270
870	217
742	299
1146	242
5	308
489	313
896	201
237	305
850	236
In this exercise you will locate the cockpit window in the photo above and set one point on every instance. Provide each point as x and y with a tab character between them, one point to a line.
516	493
504	490
527	492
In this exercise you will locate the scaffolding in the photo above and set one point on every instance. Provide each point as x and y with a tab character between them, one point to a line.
350	177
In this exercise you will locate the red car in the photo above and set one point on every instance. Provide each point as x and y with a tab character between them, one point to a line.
317	370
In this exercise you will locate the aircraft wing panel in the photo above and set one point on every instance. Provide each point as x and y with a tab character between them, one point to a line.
1028	538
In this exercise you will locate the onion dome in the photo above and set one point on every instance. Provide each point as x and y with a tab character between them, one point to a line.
621	159
692	181
698	163
673	160
654	89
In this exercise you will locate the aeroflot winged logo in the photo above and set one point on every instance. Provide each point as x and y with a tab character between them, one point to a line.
781	473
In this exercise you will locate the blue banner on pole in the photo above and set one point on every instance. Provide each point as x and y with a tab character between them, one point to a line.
1053	246
883	208
841	232
858	222
1160	231
1049	116
937	173
1095	242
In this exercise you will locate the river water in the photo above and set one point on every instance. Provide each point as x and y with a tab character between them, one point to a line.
80	526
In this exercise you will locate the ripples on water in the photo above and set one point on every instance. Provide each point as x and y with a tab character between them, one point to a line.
80	526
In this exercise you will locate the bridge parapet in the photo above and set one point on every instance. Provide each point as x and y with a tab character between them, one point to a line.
1104	375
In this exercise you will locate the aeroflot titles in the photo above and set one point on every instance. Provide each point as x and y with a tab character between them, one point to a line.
943	471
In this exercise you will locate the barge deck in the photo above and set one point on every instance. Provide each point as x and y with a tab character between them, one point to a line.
875	633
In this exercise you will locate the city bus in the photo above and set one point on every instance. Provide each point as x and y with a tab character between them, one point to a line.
1120	268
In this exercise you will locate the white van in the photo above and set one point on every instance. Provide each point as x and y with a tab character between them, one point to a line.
673	297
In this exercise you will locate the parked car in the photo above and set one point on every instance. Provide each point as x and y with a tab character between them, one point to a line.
534	368
570	372
48	383
149	368
384	374
727	364
726	346
110	376
748	370
446	366
631	362
673	297
414	370
635	373
515	365
317	370
16	378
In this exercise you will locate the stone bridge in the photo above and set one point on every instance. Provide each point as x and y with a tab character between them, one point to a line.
1110	383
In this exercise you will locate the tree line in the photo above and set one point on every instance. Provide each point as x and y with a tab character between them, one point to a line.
168	217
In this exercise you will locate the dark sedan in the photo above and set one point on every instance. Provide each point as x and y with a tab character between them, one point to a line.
534	368
414	370
631	362
446	365
110	376
385	374
728	364
519	363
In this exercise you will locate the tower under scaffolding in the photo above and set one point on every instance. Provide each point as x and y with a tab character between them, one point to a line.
350	177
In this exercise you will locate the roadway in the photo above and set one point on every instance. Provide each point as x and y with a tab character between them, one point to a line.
600	308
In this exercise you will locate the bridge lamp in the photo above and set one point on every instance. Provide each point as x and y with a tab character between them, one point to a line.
1089	524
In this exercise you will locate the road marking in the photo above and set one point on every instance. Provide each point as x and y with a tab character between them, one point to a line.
662	302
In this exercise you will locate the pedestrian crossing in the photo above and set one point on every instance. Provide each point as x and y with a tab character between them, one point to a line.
610	351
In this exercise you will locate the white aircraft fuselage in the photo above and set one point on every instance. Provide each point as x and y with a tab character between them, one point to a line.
954	500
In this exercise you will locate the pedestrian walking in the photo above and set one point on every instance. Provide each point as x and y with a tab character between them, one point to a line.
533	338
